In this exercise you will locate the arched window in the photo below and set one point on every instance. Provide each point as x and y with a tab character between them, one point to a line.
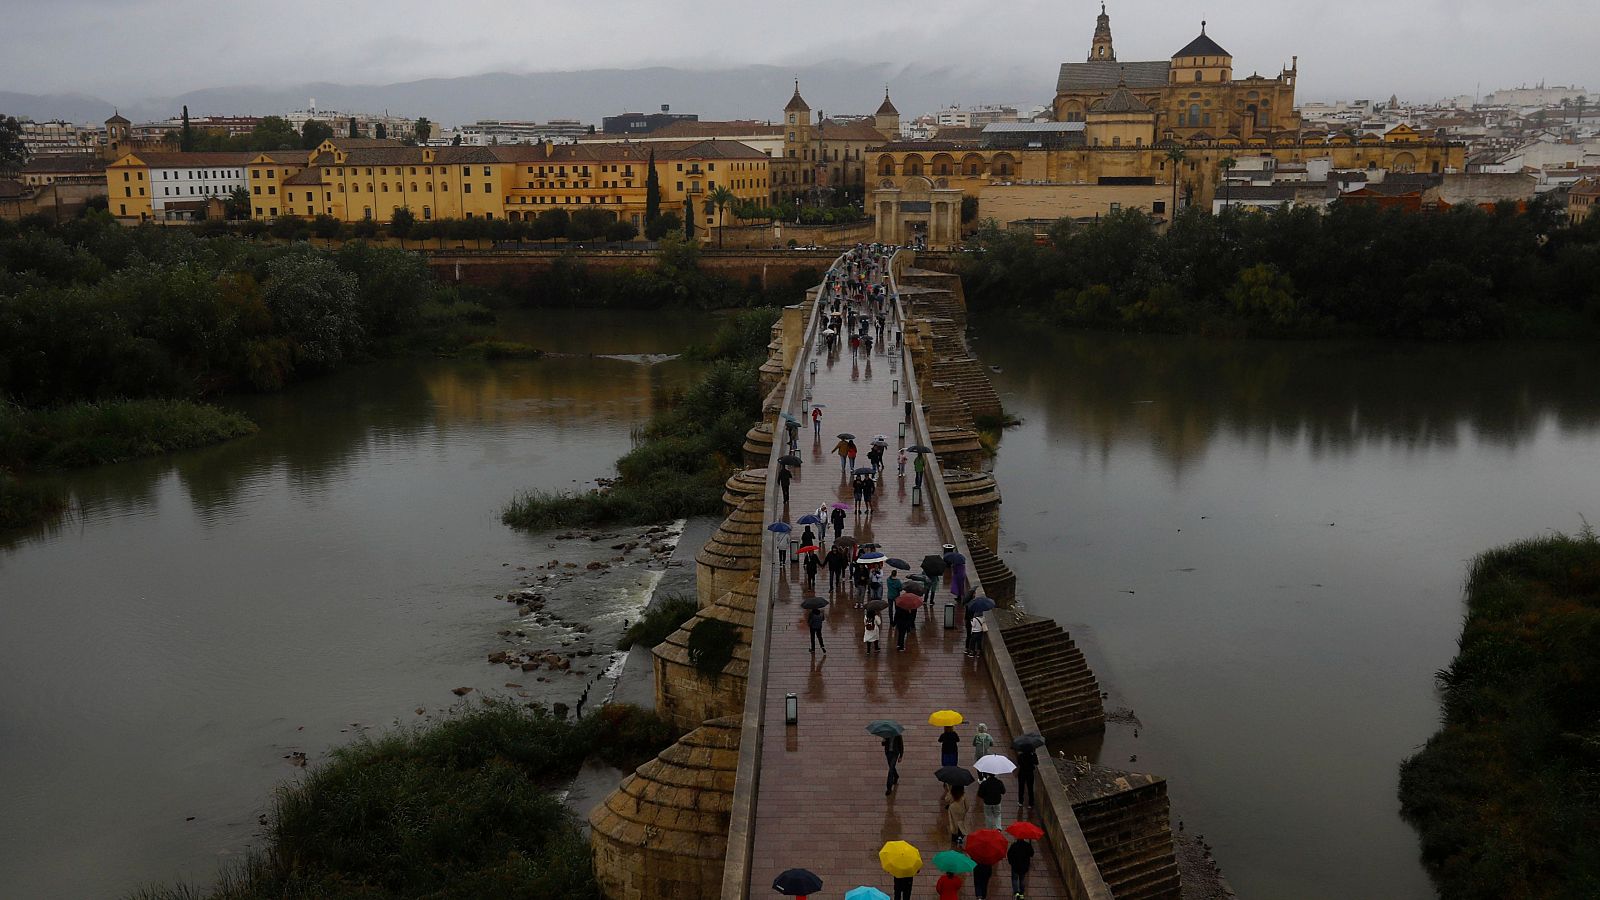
1194	115
1197	76
1116	141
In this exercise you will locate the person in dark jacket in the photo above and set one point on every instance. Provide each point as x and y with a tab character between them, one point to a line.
991	790
837	560
838	518
980	880
894	748
904	622
811	567
1020	856
784	477
815	618
949	746
1027	764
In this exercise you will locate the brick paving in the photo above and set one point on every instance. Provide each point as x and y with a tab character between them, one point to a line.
821	803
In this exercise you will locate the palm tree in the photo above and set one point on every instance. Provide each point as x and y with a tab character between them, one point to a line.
721	197
1176	156
1227	165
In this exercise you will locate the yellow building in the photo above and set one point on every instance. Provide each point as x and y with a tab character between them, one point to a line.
144	186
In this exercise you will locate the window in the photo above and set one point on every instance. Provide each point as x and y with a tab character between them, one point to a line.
1197	76
488	188
466	188
466	170
486	172
427	213
1158	207
308	200
258	189
1116	208
124	175
272	189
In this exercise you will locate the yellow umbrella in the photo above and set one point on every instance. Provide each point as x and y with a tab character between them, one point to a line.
900	859
945	717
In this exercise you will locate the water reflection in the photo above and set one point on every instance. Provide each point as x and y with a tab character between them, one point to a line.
1178	394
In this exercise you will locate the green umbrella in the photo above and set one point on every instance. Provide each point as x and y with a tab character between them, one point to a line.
953	861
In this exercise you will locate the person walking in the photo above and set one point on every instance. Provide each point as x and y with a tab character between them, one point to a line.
838	518
808	538
982	742
792	428
843	449
836	563
902	888
919	466
955	815
893	749
949	741
869	633
784	477
816	422
1027	764
991	790
977	631
869	491
1020	856
892	585
980	880
850	449
815	618
811	566
900	461
948	887
904	622
875	583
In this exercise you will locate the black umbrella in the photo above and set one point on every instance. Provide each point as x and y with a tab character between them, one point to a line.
813	603
933	564
846	436
884	728
797	882
1027	741
918	448
955	776
845	541
869	545
790	460
896	562
877	606
914	587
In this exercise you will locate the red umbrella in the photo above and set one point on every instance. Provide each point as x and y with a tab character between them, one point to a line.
986	846
810	548
909	602
1025	831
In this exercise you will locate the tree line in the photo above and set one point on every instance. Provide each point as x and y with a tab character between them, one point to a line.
1463	273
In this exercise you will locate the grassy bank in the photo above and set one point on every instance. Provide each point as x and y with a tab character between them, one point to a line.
461	809
98	433
1506	796
682	457
25	503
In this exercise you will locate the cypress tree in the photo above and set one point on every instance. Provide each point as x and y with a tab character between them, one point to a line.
186	137
652	191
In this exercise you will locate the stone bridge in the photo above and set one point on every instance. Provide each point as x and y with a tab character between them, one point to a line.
753	790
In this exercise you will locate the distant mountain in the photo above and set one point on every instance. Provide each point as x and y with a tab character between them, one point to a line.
751	92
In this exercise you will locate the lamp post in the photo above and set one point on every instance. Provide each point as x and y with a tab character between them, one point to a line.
916	496
902	432
896	387
794	551
791	709
949	614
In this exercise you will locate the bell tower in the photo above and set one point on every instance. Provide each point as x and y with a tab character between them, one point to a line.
1102	50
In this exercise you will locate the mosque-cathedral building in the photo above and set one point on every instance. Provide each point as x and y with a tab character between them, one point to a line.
1123	132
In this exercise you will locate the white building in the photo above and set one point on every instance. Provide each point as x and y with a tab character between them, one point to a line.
182	183
1535	96
975	116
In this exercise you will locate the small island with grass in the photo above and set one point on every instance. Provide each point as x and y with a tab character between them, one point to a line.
1504	795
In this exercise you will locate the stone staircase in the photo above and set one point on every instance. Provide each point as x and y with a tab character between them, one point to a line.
998	581
1126	820
1062	691
968	378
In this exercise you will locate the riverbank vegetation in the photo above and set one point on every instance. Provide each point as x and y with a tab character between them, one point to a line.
93	433
460	809
1504	795
682	457
25	503
1461	274
659	621
675	280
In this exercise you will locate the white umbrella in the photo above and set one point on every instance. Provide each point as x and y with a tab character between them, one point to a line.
995	764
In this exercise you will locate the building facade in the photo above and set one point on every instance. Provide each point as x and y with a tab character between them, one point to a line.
145	186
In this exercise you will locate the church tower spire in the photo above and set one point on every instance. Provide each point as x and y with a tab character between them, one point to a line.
1101	50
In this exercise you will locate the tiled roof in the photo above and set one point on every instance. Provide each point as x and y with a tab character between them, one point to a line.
1121	100
886	108
1103	75
350	143
61	165
849	130
924	146
958	133
741	128
11	189
1201	46
797	103
312	175
160	160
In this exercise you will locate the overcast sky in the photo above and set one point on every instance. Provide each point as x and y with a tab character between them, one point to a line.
125	50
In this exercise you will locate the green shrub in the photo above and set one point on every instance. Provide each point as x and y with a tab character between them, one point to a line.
711	645
26	504
658	621
91	434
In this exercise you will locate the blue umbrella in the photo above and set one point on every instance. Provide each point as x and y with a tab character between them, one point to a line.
791	419
865	893
808	519
979	606
780	527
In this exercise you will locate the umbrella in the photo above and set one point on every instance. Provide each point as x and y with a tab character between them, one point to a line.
954	775
1027	741
797	882
885	728
829	331
954	559
900	859
809	519
846	436
933	564
918	448
945	717
987	846
877	606
843	506
896	562
914	588
995	764
810	548
863	470
819	406
979	606
880	441
1025	831
871	558
908	602
789	417
780	527
844	541
813	603
865	893
791	460
953	861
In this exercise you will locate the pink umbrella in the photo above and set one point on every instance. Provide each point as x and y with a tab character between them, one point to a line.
844	506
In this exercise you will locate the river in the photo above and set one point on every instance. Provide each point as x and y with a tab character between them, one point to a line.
210	613
1262	546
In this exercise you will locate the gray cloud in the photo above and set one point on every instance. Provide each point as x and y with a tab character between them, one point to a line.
126	50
